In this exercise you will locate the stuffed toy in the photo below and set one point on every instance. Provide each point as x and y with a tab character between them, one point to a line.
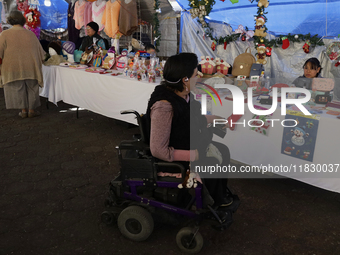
189	181
32	16
261	54
122	60
259	29
264	3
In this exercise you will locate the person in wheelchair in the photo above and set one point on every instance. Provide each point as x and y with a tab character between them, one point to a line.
178	131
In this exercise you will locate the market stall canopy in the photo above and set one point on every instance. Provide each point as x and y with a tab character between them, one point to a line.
296	17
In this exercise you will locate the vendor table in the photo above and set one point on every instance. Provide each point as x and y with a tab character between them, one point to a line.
254	149
108	95
101	93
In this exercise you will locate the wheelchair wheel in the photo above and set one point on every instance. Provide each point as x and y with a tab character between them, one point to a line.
135	223
108	218
189	240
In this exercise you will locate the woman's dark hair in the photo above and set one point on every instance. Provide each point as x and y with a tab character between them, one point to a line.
149	46
314	64
16	18
178	67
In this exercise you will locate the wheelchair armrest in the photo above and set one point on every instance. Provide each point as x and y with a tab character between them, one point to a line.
172	165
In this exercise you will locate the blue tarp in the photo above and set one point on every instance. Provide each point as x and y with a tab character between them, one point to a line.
54	16
296	17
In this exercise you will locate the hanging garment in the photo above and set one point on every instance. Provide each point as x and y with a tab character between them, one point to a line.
73	33
97	13
128	18
79	14
87	14
111	17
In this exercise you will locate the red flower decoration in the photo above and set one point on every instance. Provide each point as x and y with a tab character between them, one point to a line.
333	55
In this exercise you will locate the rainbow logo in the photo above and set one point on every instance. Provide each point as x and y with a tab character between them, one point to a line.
209	93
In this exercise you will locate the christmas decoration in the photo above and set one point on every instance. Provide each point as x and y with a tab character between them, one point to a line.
156	33
200	9
225	44
234	1
268	51
261	54
264	3
333	51
213	45
259	29
208	66
314	40
32	16
245	34
285	42
306	47
22	5
221	40
200	13
222	66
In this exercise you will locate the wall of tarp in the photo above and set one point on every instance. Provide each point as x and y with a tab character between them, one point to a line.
289	16
283	65
168	28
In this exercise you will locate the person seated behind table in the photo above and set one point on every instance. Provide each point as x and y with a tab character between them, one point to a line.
92	37
149	48
311	69
171	125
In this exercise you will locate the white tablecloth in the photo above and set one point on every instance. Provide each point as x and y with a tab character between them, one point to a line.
48	91
101	93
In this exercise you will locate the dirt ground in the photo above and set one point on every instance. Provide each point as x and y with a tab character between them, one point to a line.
54	175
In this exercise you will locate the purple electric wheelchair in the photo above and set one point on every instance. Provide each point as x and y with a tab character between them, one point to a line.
138	195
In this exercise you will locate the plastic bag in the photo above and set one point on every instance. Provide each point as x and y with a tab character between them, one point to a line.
54	16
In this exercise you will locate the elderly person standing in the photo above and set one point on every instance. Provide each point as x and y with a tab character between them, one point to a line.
21	70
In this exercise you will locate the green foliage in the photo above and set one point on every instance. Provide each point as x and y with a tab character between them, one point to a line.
314	40
156	32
